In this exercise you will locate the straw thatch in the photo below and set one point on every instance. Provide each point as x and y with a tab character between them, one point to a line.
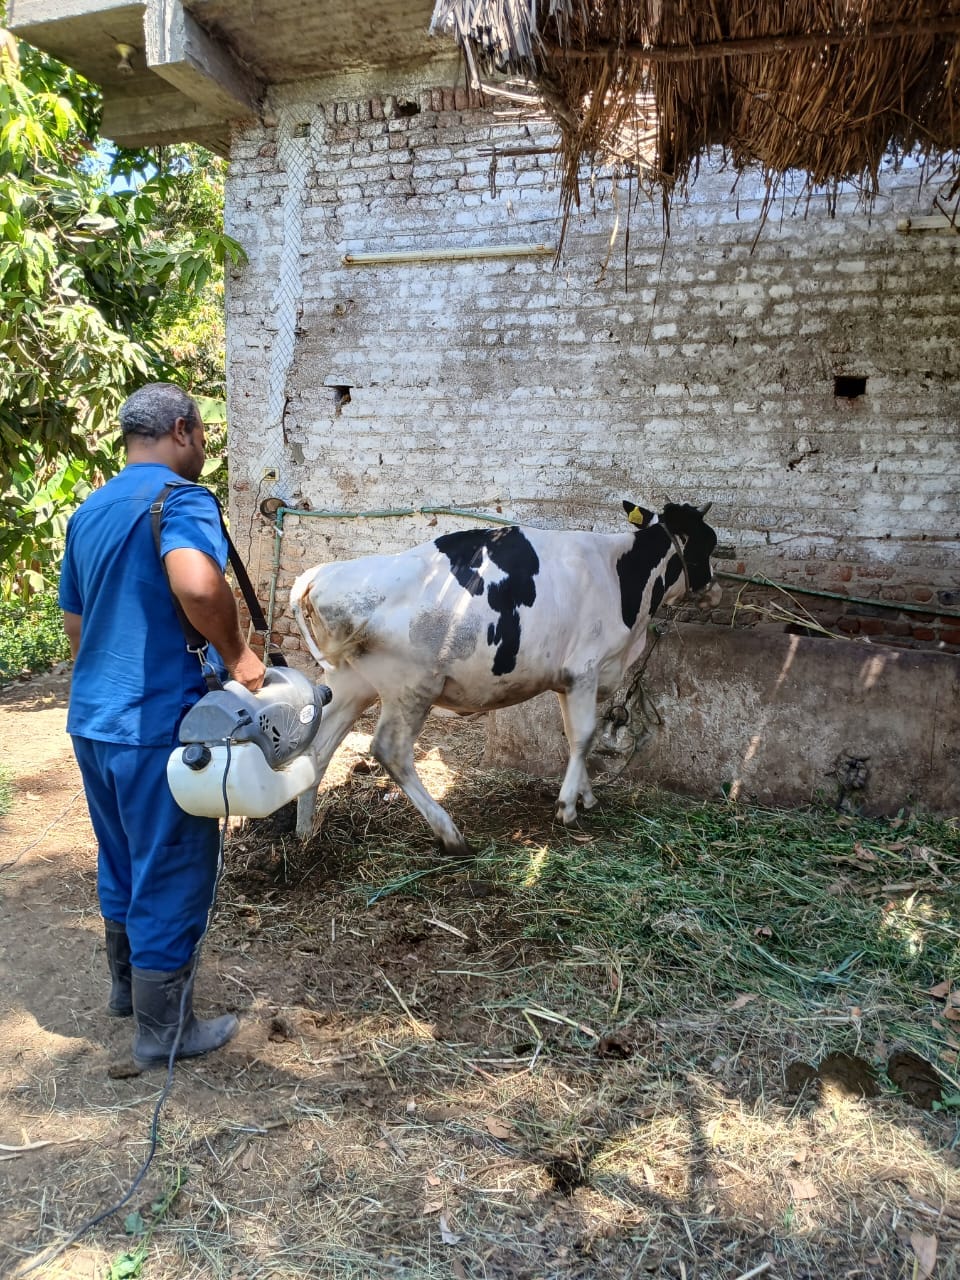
826	87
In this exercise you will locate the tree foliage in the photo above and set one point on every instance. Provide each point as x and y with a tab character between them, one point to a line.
109	276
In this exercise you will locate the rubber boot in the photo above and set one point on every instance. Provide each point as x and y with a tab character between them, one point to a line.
120	1004
157	1001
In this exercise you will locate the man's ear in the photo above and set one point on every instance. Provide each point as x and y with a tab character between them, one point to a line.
639	516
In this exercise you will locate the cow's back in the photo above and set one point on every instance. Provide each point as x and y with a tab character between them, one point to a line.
500	614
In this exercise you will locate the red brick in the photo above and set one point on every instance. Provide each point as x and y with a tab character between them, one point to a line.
922	594
950	637
844	573
873	627
876	572
923	633
850	625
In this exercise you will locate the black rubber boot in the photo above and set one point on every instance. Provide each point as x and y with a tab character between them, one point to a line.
120	1004
157	1001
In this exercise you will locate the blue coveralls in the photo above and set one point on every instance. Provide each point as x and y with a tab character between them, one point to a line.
133	681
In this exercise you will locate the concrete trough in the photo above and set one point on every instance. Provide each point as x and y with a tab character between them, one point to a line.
778	720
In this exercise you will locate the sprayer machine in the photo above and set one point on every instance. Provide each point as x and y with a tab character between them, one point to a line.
247	754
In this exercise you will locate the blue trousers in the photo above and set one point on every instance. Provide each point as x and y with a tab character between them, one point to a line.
156	865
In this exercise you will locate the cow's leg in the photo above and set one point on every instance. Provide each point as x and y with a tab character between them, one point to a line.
397	729
578	706
352	694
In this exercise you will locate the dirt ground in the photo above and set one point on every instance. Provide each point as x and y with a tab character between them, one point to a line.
381	1112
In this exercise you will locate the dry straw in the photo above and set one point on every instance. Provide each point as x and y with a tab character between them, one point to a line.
828	89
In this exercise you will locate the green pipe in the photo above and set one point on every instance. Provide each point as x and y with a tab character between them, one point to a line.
896	606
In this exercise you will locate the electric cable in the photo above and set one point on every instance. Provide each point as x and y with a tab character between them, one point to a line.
171	1061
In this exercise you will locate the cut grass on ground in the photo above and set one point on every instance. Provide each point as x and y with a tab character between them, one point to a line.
572	1057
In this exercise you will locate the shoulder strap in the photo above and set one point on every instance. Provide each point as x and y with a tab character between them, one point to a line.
195	641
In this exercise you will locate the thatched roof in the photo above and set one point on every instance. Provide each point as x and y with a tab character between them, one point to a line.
827	87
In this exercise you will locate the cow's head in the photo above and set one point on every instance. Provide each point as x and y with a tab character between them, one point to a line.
697	541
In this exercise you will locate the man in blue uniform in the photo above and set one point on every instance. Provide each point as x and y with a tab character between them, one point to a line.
133	681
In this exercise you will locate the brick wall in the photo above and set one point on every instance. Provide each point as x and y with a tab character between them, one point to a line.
702	369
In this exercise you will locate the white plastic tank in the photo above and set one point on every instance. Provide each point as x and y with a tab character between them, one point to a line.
254	790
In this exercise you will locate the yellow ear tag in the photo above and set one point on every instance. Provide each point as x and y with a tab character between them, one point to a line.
636	517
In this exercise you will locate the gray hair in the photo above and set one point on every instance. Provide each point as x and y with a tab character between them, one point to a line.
153	409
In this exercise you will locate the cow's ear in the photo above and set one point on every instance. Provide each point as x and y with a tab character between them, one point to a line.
639	516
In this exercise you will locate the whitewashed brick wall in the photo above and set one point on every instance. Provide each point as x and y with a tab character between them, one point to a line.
702	369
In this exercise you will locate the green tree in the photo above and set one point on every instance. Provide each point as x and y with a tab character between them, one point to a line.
93	280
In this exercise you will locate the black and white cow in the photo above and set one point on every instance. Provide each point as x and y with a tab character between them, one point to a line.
486	618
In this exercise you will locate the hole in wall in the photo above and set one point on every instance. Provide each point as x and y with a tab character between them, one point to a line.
341	396
406	108
849	388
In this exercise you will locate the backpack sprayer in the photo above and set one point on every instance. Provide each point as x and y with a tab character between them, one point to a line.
241	753
246	753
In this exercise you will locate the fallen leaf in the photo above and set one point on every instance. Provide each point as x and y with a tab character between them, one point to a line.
432	1206
763	931
497	1129
742	1001
446	1235
925	1248
802	1189
432	1180
458	1270
865	854
952	1014
941	990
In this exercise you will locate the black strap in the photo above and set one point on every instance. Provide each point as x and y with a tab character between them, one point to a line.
197	643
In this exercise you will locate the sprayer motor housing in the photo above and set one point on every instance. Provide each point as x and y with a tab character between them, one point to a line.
282	718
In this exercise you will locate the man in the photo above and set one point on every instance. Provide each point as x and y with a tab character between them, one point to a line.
133	681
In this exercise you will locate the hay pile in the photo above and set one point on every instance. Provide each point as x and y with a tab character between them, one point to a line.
827	87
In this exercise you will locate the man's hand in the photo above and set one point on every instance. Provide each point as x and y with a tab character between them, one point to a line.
72	625
248	671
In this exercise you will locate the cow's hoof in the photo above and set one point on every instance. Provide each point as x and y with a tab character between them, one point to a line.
456	851
590	801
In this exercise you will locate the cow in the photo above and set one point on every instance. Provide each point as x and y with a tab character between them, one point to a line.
482	619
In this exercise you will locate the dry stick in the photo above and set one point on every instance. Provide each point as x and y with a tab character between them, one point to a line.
47	829
16	1152
760	44
417	1025
755	1271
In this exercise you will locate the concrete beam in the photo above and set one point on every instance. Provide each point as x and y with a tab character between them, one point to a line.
159	119
179	50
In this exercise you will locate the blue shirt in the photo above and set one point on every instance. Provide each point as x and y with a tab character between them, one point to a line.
133	679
